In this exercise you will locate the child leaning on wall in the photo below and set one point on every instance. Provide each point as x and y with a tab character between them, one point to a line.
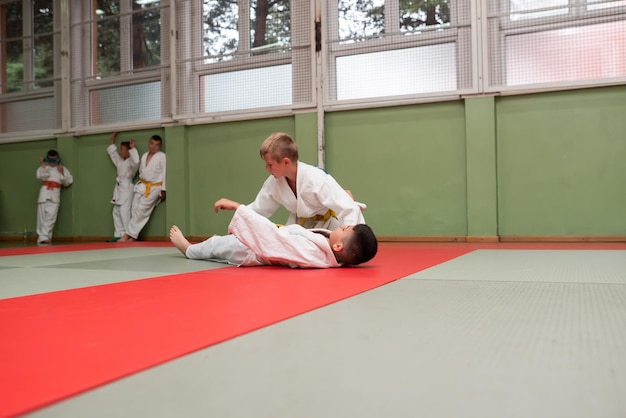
54	176
126	161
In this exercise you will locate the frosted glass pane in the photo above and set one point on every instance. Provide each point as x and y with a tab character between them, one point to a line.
425	69
128	103
248	89
28	115
581	53
604	4
526	8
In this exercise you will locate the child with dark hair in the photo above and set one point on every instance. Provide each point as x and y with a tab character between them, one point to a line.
126	161
149	190
54	176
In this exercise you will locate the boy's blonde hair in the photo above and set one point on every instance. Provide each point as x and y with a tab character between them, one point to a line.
279	145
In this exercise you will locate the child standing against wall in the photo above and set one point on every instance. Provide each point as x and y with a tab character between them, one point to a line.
126	160
149	191
54	176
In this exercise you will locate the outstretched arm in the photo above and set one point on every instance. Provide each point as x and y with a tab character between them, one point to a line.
112	141
225	204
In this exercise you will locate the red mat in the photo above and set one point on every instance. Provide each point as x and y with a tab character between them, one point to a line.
56	345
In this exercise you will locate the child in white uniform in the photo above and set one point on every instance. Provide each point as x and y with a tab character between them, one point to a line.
126	160
149	190
254	241
54	176
313	197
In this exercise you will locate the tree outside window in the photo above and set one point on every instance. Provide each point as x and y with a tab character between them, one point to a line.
226	34
24	71
127	36
362	19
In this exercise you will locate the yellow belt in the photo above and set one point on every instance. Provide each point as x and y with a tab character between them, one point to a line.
149	186
318	218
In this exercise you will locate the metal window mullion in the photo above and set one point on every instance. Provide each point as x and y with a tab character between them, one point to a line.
302	53
494	41
479	45
319	64
169	43
84	49
330	36
28	45
65	86
188	48
126	36
243	26
392	16
576	7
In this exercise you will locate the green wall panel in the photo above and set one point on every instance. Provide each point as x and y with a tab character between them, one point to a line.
549	164
561	163
406	163
224	161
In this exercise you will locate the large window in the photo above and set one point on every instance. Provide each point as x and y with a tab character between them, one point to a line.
119	72
396	48
29	43
26	45
556	42
127	36
69	65
249	58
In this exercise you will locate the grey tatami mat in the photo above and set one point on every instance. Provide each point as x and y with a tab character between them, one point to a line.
50	259
436	348
31	274
578	266
169	263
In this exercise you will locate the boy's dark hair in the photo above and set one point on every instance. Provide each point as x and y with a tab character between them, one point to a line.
360	247
125	144
157	138
53	153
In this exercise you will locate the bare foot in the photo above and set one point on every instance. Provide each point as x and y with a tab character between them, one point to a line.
179	240
124	238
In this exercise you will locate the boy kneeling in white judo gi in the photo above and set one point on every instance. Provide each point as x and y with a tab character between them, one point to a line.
254	240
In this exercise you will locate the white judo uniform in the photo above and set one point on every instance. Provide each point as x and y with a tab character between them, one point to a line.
49	199
147	192
320	202
123	191
255	241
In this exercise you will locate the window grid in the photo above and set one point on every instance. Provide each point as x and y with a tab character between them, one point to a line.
410	54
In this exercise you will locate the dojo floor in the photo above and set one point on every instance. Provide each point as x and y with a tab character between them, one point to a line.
506	330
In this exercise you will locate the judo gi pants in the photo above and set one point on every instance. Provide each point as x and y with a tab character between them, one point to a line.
223	249
46	218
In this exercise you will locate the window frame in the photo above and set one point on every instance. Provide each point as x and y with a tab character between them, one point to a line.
88	81
194	66
461	16
30	92
28	38
498	15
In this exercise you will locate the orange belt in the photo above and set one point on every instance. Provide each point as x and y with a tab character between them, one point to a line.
149	186
52	184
